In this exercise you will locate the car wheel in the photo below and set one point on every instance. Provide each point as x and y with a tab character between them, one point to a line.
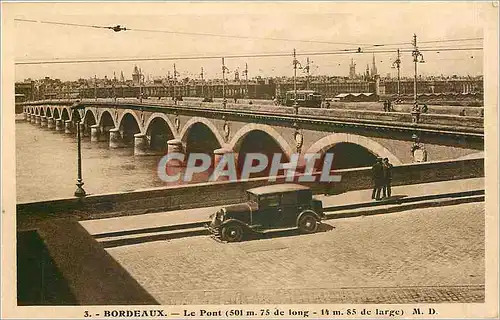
308	223
232	233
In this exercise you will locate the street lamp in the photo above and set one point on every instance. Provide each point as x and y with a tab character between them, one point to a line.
95	87
80	192
224	70
295	63
397	63
417	58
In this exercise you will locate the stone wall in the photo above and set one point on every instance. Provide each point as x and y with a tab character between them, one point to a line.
211	194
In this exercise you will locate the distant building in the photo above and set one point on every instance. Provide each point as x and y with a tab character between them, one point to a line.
374	67
136	75
352	69
25	91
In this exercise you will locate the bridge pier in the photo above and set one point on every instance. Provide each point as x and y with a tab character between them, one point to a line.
115	138
175	146
84	130
67	127
25	116
219	154
37	119
43	121
141	144
59	125
94	133
28	117
104	133
50	123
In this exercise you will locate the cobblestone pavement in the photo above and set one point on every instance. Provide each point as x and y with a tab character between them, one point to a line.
425	255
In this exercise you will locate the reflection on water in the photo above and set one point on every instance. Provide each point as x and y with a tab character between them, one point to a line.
46	166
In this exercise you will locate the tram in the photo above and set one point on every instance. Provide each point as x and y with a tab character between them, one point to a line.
305	98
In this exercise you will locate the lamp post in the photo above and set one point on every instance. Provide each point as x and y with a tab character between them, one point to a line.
246	80
417	58
295	63
224	69
307	71
397	63
95	87
202	83
80	192
140	84
175	83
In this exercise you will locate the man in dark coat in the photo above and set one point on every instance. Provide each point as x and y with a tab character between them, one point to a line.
387	168
377	178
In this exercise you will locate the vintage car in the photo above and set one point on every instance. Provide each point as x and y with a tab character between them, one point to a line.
268	208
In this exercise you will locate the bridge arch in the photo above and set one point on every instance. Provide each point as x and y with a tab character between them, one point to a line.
159	129
89	119
199	135
336	139
106	118
42	111
261	139
129	125
48	113
106	123
154	117
56	113
119	121
65	114
239	136
193	121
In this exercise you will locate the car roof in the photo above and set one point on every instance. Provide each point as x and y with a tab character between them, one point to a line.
277	188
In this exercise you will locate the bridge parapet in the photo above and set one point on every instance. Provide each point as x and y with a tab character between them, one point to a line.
226	192
427	121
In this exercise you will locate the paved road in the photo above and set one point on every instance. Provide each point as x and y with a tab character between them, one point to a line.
201	214
425	255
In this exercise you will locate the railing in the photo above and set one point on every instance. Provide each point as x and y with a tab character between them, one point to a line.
226	192
430	123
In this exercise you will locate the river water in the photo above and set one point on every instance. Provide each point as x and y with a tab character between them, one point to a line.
46	166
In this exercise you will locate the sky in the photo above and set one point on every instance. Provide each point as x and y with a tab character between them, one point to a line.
347	25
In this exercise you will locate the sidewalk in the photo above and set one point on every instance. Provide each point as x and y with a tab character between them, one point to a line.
160	219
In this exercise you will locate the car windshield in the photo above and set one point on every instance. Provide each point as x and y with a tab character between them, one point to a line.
252	197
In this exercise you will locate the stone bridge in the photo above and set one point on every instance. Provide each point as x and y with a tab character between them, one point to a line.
355	137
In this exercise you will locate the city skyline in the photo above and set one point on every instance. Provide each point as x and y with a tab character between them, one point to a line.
248	33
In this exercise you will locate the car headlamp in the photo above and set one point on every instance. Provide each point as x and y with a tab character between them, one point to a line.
220	215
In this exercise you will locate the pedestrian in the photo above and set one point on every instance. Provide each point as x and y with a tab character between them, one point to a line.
425	109
327	104
235	100
389	106
387	169
385	105
462	113
377	179
416	108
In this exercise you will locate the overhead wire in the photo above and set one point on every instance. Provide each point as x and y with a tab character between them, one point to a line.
118	28
230	56
64	23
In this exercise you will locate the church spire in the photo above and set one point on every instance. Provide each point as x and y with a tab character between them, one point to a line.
374	66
